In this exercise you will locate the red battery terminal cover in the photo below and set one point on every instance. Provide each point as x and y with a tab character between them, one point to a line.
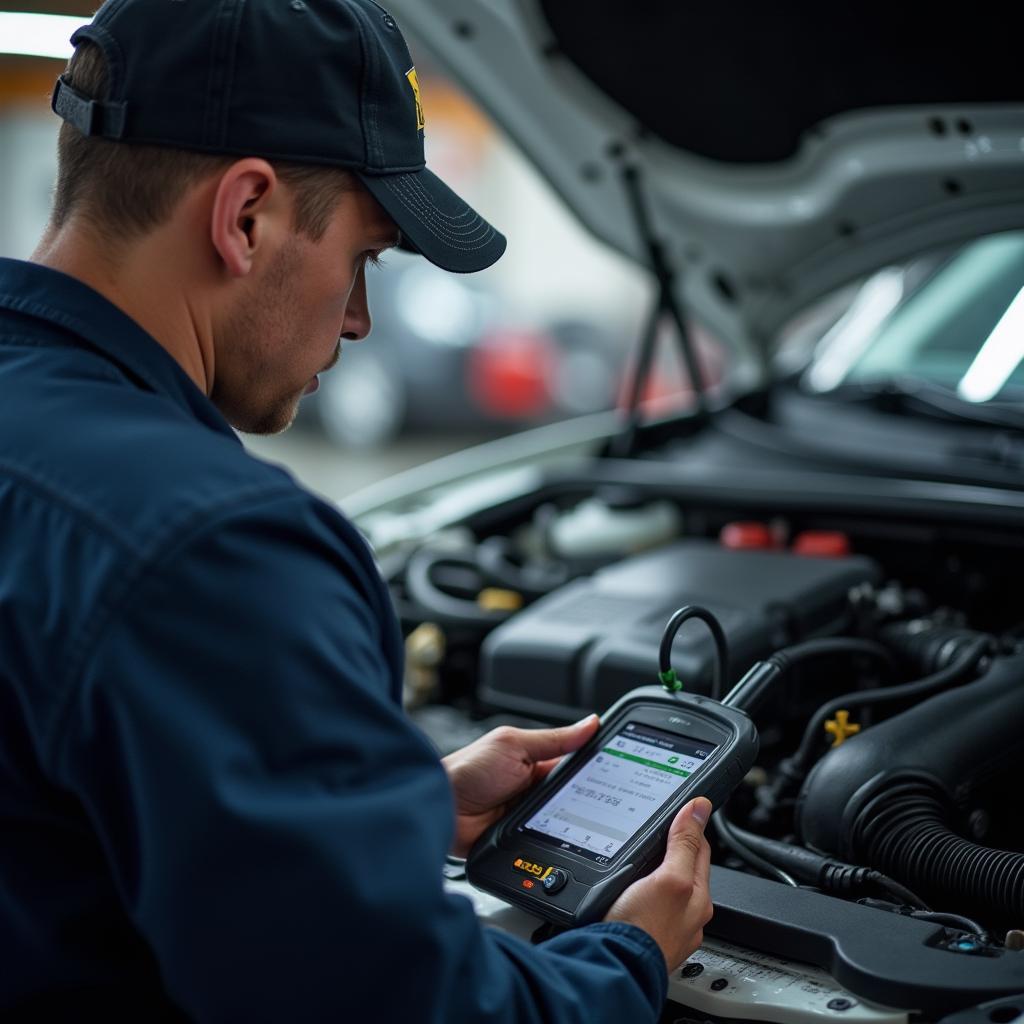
749	536
822	544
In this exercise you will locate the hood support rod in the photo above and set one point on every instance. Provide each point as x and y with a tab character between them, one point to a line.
665	304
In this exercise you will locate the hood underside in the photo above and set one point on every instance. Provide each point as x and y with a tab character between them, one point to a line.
783	150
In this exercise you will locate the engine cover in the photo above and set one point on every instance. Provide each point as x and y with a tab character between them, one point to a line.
583	646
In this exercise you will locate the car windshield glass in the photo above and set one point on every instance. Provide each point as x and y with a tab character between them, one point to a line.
952	321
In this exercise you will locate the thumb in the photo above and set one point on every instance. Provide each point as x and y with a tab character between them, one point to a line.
544	744
686	838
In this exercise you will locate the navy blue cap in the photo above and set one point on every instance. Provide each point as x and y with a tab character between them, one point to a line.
327	82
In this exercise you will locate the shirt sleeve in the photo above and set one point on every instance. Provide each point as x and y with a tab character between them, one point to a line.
274	825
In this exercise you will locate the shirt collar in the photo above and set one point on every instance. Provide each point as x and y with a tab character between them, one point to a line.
48	295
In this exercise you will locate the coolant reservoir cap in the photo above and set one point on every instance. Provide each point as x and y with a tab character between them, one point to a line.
596	529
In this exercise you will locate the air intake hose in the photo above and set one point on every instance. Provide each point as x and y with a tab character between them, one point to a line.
904	831
894	796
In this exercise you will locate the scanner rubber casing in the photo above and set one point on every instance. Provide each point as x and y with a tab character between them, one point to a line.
505	858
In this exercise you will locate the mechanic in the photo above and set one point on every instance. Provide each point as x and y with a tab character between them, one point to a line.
212	805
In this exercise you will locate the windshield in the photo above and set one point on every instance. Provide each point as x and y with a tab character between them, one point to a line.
953	319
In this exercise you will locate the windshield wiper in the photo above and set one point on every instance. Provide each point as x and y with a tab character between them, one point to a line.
911	396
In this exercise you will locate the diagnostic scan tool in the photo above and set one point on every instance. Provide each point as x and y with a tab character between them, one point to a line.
601	819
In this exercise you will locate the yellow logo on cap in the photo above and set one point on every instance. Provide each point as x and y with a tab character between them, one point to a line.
421	121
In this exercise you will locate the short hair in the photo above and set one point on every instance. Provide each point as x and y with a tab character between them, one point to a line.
125	189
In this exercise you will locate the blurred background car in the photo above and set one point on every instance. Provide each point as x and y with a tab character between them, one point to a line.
447	352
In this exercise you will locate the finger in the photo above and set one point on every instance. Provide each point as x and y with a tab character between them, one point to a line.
702	869
545	744
686	844
542	769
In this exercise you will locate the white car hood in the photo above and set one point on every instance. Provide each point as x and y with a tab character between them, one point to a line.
784	151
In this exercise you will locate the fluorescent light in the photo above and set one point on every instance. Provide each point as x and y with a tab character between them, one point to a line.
852	335
1001	354
38	35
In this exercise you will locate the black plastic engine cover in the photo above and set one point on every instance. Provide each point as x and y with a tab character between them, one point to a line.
582	647
886	958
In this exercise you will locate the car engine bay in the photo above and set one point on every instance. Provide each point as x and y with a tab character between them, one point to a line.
879	839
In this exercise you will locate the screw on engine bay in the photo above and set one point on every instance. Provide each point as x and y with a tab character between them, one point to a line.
839	1004
719	983
691	970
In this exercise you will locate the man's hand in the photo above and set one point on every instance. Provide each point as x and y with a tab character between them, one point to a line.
493	771
673	904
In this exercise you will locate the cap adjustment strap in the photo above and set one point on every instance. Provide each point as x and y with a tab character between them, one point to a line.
90	117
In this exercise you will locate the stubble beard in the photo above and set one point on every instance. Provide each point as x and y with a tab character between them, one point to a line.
255	407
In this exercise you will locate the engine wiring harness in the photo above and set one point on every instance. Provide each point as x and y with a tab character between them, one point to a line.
892	826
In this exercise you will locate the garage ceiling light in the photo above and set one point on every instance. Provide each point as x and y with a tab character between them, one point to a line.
38	35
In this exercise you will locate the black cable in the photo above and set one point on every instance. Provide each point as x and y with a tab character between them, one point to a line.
824	646
666	673
937	681
901	892
762	677
823	872
727	833
952	921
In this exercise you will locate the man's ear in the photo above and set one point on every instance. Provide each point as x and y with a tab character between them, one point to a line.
242	206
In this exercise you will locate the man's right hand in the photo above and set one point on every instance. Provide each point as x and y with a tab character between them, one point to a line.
673	903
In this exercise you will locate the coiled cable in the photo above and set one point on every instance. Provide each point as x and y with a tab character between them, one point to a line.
667	674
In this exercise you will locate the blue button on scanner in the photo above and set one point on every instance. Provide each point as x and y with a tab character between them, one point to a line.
555	882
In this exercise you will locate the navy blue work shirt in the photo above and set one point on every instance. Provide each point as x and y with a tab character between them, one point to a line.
211	804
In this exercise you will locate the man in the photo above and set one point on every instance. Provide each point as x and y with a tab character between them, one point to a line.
211	804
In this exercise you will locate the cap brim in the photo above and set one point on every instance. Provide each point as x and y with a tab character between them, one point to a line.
435	222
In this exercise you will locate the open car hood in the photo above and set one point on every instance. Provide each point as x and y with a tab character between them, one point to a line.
783	151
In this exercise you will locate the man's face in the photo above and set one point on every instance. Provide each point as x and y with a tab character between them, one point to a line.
296	312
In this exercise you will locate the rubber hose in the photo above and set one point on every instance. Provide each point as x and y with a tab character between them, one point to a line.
950	676
495	558
438	606
905	831
792	770
824	646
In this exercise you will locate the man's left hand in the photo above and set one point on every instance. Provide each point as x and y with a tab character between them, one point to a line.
493	771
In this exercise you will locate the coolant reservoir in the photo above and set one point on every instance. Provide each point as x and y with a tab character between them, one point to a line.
613	524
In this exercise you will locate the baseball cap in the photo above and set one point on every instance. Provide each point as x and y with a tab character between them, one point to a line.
326	82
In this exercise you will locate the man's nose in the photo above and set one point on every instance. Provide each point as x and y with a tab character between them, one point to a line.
357	323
